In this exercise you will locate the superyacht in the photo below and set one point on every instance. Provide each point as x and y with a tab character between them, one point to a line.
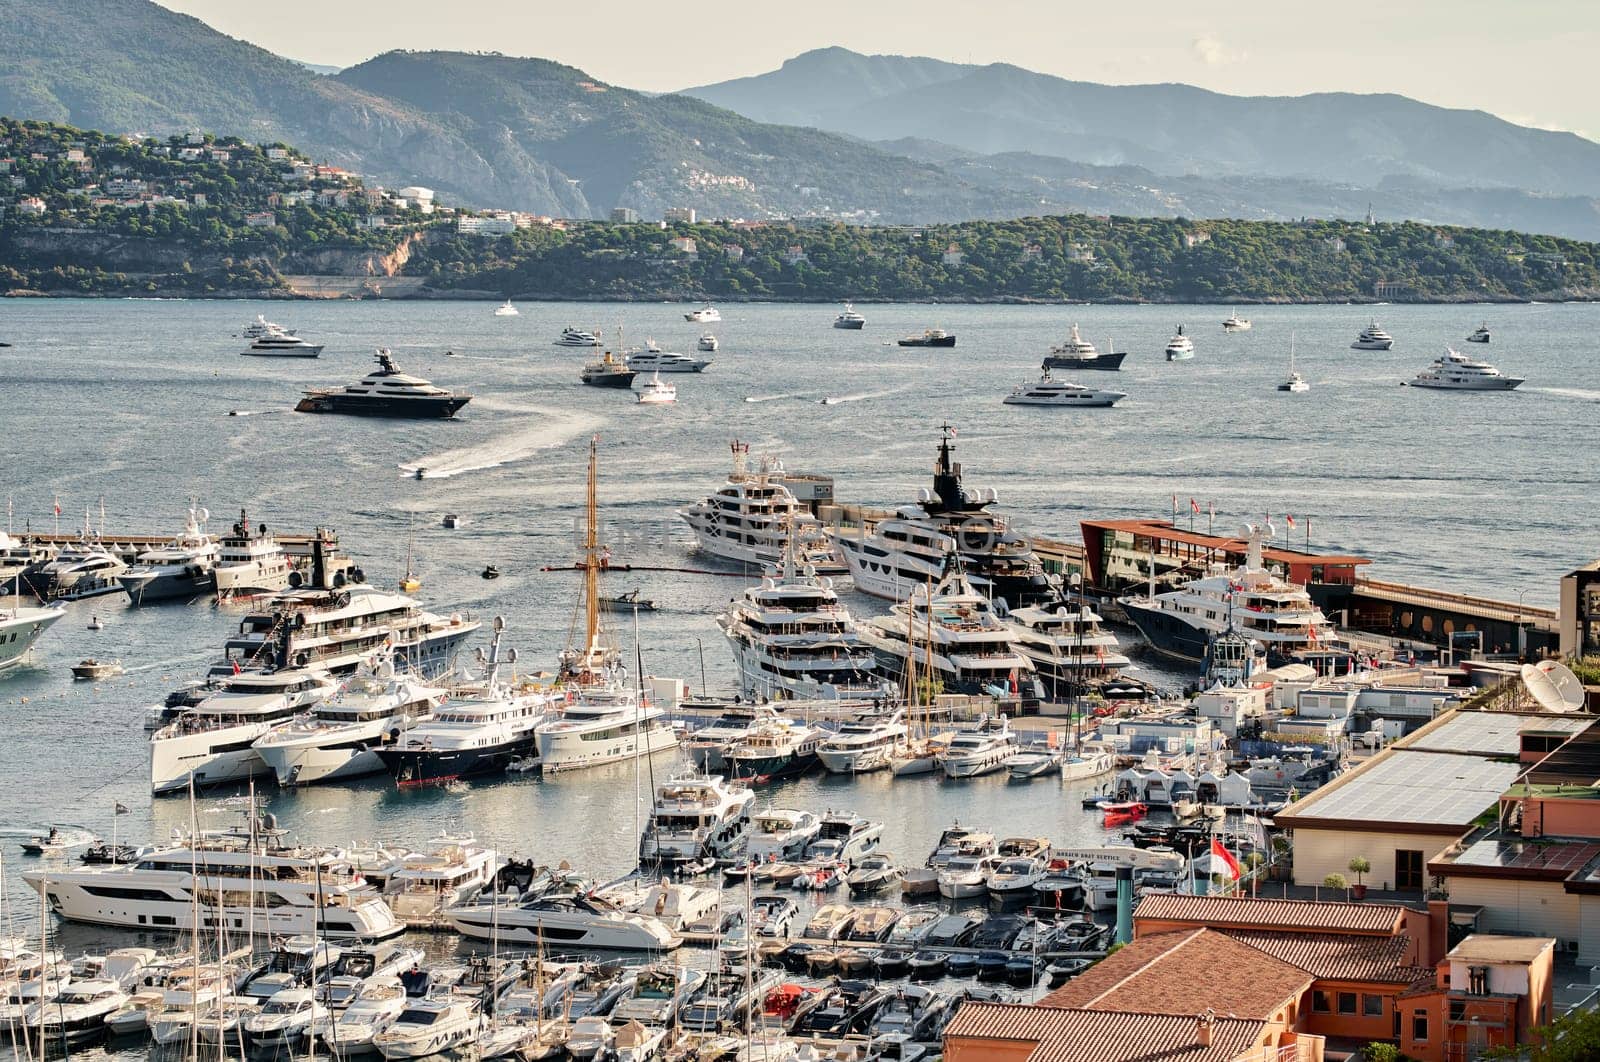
752	516
1455	371
1259	602
20	628
707	746
577	337
181	569
250	561
909	549
83	569
263	883
339	738
849	319
1079	353
694	817
792	639
281	344
864	744
386	392
1070	652
953	639
1373	338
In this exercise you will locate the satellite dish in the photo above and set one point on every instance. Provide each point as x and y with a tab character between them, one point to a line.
1246	531
204	514
1554	686
499	623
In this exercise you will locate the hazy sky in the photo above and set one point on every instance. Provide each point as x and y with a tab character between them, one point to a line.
1531	61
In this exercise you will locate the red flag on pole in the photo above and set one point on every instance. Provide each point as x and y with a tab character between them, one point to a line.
58	506
1289	517
1194	506
1221	854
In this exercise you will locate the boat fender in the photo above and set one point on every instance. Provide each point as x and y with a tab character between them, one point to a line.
338	578
358	575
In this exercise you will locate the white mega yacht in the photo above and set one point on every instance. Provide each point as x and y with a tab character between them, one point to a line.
1235	323
909	549
1260	603
212	742
577	337
707	746
180	569
1455	371
564	923
293	890
281	344
694	817
1068	648
386	392
20	628
849	319
603	724
952	637
1048	391
1079	353
85	568
707	314
752	516
793	639
339	737
1180	347
250	561
864	744
1373	338
654	359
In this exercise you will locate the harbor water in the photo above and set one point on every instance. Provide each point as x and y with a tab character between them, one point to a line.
130	402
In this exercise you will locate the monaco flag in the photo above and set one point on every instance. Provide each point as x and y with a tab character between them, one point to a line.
1220	853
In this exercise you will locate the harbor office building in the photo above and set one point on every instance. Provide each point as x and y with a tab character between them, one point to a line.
1118	555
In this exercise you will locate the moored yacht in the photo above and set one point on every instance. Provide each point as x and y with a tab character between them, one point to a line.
263	327
850	319
779	833
979	750
562	922
1180	347
707	343
82	569
752	516
387	392
665	361
909	549
250	561
864	744
776	749
212	741
577	337
931	337
1080	353
281	344
1070	652
1235	323
1295	384
181	569
20	628
340	736
707	314
792	638
505	309
707	746
1373	338
844	837
694	817
1048	391
1455	371
1480	334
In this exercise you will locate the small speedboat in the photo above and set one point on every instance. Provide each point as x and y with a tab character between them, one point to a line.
95	624
491	572
707	314
1032	764
927	965
628	602
93	669
51	843
452	521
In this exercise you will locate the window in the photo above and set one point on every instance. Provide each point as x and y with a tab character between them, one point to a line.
1458	1009
1319	1003
1407	869
1347	1002
1478	980
1372	1006
1419	1026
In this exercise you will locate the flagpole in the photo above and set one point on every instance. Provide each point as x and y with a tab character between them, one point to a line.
1211	516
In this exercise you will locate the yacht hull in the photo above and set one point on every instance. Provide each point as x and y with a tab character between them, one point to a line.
249	579
1110	361
557	931
168	586
855	761
925	341
561	751
414	767
306	764
83	897
1170	635
378	406
849	325
766	769
223	756
21	634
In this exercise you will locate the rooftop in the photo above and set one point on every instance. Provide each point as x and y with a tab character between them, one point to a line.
1243	912
1407	788
1068	1035
1487	947
1164	530
1575	763
1184	973
1340	956
1490	733
1501	855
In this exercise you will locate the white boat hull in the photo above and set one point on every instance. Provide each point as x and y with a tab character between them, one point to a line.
561	751
514	926
855	761
168	907
294	765
213	757
962	890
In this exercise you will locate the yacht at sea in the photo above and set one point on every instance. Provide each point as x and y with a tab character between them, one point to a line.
953	638
180	569
250	561
487	722
849	319
577	337
707	343
752	516
1048	391
340	736
386	392
694	817
250	879
793	639
263	327
909	549
1235	323
505	309
1079	353
1455	371
653	359
20	628
1180	347
281	344
1070	652
1373	338
609	371
1259	602
1480	334
707	314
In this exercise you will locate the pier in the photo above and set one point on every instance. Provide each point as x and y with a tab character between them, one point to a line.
297	545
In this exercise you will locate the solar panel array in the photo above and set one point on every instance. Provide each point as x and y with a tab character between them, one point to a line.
1422	788
1528	855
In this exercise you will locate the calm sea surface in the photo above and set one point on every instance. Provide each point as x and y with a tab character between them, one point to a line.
127	401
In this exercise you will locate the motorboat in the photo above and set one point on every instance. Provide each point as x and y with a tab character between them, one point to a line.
77	1014
1014	877
872	874
1455	371
1295	384
707	314
912	547
660	992
707	746
775	749
932	337
1088	761
693	817
1049	391
82	569
979	750
1373	338
914	1015
1180	347
844	837
181	569
339	737
487	722
428	1027
562	922
849	319
609	371
654	392
281	345
1032	764
627	601
91	669
726	999
378	1004
865	743
1235	323
249	561
1070	651
603	725
1080	353
1480	334
953	639
284	1021
505	309
263	327
50	843
829	922
707	343
782	834
386	392
211	743
21	627
577	337
967	876
753	515
792	638
652	360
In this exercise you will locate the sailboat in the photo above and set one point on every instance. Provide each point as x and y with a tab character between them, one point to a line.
1295	383
409	583
920	755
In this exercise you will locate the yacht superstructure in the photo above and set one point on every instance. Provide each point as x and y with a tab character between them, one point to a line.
752	516
181	569
1080	353
1373	338
1070	651
250	561
864	744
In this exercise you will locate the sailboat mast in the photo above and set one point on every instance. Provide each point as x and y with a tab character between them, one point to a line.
591	553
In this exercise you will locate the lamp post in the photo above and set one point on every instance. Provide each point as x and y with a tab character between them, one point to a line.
1522	639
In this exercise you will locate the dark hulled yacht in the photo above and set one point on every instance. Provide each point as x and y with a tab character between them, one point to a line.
388	392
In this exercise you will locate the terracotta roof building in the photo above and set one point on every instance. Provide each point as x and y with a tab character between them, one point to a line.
990	1031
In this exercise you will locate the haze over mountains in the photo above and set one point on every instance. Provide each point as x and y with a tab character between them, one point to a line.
831	133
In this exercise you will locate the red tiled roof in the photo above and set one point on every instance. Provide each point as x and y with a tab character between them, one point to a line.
1243	912
1064	1035
1185	973
1336	956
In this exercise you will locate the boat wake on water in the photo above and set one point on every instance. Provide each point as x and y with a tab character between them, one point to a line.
254	412
552	429
1566	392
769	398
834	400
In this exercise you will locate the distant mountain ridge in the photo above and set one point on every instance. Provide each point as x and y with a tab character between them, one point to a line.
1167	128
